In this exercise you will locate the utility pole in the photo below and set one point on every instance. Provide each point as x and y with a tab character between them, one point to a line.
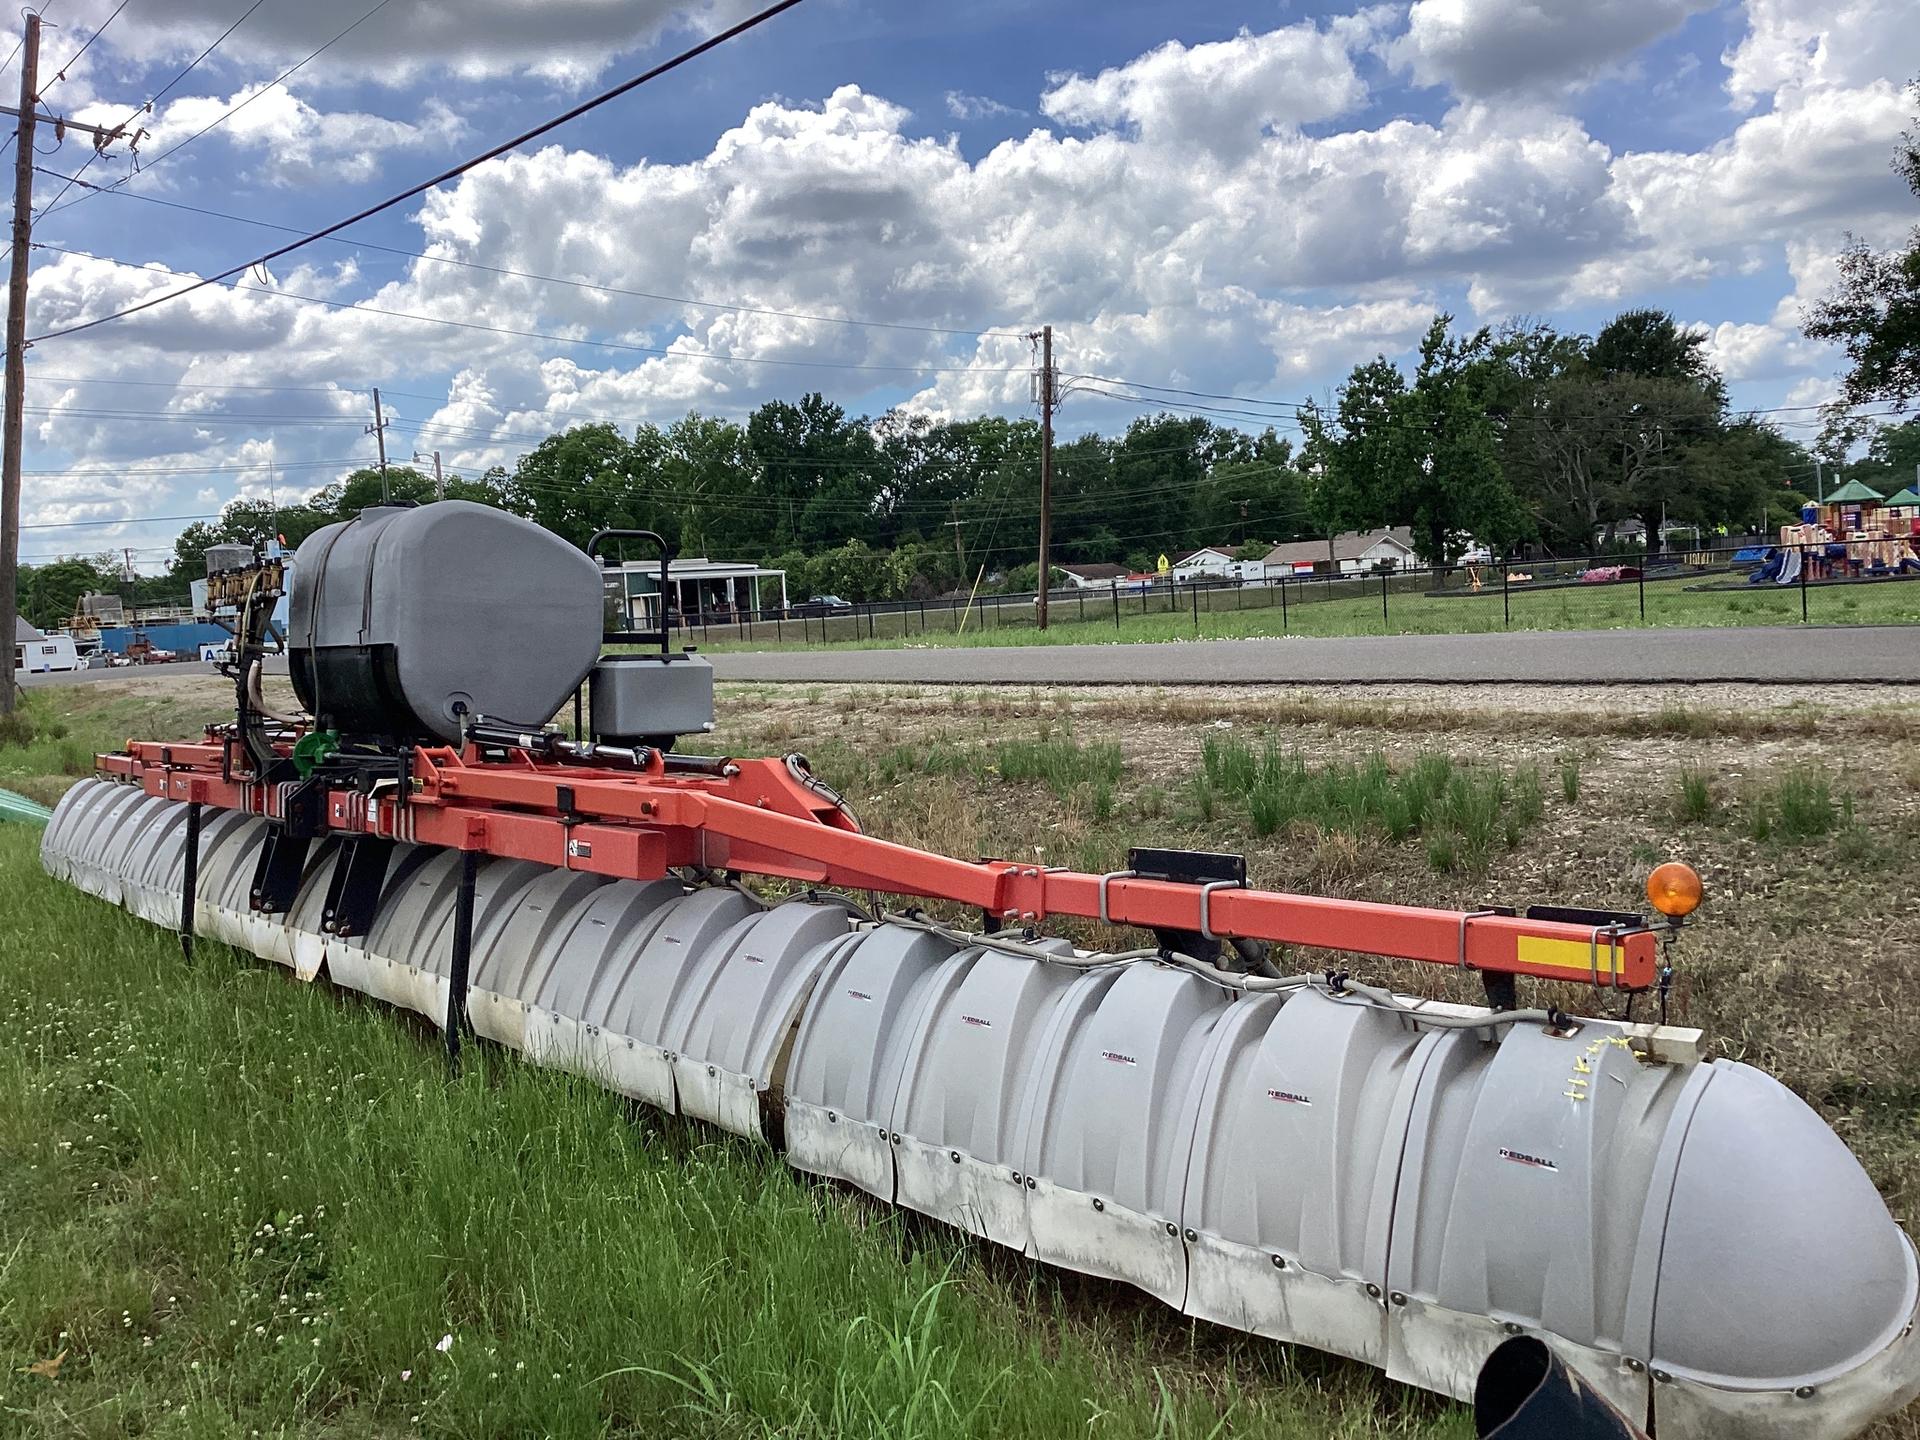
379	432
16	381
1819	482
959	548
1048	398
28	116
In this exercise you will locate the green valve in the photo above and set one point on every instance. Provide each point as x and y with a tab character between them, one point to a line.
311	750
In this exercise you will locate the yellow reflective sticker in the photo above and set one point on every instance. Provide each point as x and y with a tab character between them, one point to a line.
1565	954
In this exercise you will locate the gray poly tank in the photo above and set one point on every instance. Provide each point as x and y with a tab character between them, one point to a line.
403	616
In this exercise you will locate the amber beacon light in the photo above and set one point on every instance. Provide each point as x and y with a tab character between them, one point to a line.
1674	890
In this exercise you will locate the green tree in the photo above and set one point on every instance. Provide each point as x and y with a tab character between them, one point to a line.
820	473
704	465
1422	454
48	595
589	478
1664	405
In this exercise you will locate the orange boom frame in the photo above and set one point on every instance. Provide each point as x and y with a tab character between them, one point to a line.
770	817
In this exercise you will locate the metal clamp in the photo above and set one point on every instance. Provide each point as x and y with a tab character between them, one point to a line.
1612	932
1464	918
1206	904
1106	880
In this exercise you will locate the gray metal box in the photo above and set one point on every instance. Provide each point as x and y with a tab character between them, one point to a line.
638	697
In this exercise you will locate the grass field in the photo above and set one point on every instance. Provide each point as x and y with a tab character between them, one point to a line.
239	1205
1342	608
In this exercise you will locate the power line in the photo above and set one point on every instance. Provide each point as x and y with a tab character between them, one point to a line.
359	244
86	45
135	113
209	469
191	385
361	307
606	96
273	84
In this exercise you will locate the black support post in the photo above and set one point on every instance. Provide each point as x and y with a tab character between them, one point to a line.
1506	592
189	880
1383	601
462	957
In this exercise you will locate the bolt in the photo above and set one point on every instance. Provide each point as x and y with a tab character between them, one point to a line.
1398	1298
896	1137
1193	1234
1279	1262
1099	1204
1030	1182
1017	1177
1373	1290
883	1134
1804	1392
1172	1229
1514	1329
1635	1366
954	1155
832	1119
1663	1377
710	1070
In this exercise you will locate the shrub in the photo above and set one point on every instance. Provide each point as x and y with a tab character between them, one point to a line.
1804	804
1696	796
1570	778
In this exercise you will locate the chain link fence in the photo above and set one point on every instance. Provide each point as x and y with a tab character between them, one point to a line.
1856	582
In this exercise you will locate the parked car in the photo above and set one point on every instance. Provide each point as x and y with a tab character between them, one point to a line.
821	605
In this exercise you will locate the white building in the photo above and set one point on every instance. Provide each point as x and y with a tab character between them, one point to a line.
1210	562
1092	577
713	589
1358	552
35	653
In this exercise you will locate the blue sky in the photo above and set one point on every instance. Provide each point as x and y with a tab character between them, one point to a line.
1242	199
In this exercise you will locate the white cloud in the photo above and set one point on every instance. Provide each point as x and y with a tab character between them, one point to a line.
1793	44
301	144
962	106
1484	47
1220	95
568	41
1817	164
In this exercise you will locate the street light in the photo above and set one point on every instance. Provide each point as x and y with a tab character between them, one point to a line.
439	484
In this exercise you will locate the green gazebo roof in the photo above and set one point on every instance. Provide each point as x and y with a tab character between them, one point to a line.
1853	493
1908	496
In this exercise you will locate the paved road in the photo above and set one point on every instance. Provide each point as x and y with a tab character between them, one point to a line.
1814	655
1799	656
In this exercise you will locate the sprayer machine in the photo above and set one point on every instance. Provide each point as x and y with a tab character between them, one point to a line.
1305	1156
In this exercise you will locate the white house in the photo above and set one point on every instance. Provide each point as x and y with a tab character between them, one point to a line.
1358	552
713	588
1090	577
1210	562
